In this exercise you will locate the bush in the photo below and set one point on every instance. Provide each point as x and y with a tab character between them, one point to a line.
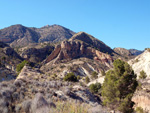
139	110
94	75
87	80
142	75
103	73
70	77
21	65
94	88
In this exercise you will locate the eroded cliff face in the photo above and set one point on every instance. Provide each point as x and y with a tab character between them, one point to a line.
69	50
142	96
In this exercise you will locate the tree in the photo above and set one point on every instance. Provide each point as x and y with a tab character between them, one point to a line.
21	65
142	75
119	85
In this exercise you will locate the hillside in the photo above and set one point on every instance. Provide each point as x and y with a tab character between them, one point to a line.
20	36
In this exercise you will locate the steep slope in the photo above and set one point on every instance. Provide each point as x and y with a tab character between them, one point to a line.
141	62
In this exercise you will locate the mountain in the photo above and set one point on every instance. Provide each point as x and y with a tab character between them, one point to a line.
135	52
20	36
54	33
82	54
141	62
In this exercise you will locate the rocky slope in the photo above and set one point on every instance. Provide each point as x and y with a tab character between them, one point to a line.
80	49
141	62
8	61
142	96
19	35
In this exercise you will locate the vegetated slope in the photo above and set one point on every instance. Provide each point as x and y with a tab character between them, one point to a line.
20	36
33	92
141	62
135	52
8	61
82	54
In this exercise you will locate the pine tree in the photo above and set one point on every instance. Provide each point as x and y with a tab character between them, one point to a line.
119	86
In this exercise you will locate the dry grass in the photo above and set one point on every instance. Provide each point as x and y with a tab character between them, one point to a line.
70	107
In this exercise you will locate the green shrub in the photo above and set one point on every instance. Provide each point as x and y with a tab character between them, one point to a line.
78	77
103	73
94	75
94	88
87	80
21	65
70	77
139	110
142	75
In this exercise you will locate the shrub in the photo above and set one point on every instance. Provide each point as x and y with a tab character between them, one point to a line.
87	80
94	75
103	73
70	77
142	75
21	65
139	110
94	88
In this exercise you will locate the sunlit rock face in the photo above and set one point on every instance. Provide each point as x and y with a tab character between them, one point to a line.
142	96
141	62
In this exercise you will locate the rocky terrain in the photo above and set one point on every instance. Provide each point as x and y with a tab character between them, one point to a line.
27	95
141	62
79	56
8	62
20	36
55	52
142	96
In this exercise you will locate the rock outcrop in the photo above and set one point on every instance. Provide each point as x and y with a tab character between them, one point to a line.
141	62
142	96
77	48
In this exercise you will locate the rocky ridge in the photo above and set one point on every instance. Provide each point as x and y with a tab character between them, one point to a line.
20	36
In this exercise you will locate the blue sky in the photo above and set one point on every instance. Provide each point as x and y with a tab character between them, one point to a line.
118	23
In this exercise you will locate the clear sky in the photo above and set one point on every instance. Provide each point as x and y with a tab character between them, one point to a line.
118	23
